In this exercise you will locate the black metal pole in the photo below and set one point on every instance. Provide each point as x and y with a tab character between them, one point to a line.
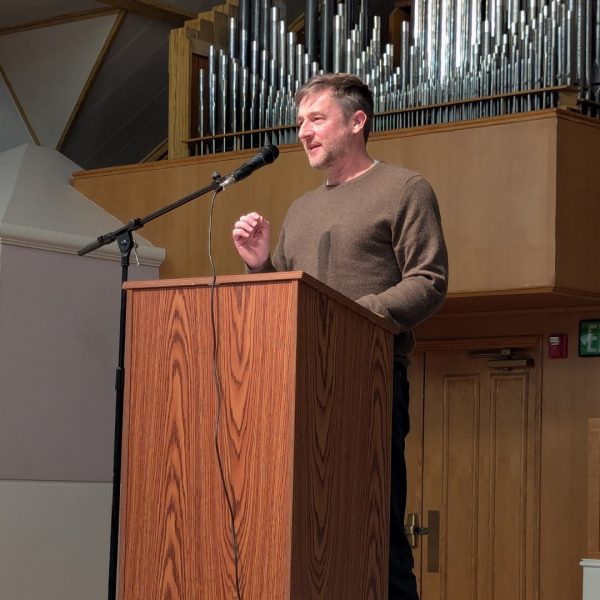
126	245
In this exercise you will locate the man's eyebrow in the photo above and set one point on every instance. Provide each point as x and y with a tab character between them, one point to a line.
311	113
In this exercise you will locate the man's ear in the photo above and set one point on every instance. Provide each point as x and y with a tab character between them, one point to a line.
358	121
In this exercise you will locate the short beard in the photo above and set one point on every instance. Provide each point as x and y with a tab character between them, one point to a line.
328	159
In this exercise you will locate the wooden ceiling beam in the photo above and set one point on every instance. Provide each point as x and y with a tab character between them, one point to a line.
58	20
153	9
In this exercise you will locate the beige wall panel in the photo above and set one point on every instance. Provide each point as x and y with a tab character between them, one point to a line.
54	541
578	209
495	185
136	191
570	396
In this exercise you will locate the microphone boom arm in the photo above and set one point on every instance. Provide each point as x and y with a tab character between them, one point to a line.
138	223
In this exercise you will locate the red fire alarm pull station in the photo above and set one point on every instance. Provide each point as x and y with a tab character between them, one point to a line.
558	346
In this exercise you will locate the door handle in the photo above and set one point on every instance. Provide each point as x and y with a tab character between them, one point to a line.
413	530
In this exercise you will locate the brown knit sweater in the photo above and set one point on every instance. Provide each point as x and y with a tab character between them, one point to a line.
376	239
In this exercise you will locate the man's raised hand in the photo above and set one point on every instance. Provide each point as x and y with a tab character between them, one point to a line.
251	235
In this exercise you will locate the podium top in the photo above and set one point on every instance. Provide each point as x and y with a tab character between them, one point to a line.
264	278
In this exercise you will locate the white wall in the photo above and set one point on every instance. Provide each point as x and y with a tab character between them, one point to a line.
59	323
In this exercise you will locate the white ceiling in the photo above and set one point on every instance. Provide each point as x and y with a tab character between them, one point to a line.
90	78
48	84
87	77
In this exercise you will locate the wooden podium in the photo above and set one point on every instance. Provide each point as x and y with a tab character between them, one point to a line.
304	431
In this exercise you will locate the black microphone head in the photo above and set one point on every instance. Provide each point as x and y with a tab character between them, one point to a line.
265	156
270	153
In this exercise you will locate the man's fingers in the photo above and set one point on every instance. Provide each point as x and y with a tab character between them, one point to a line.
243	226
253	219
240	234
248	226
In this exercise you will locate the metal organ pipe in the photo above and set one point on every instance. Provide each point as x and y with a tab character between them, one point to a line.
457	59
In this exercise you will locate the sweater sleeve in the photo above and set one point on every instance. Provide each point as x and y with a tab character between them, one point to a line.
422	258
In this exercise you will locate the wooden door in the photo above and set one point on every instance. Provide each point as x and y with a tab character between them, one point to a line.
479	476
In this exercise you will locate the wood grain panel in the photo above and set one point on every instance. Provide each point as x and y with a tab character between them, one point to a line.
264	278
304	434
164	531
461	398
180	78
258	392
343	425
184	536
508	494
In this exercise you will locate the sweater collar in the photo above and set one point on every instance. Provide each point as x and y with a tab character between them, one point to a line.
329	186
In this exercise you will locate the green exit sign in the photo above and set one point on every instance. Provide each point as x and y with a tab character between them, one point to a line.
589	338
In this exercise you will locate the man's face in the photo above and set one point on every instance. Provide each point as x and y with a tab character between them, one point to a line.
325	132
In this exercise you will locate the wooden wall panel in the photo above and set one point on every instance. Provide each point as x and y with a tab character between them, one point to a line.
180	78
494	181
461	403
136	191
514	500
570	389
342	433
578	209
495	185
450	483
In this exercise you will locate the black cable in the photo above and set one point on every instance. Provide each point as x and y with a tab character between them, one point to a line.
219	403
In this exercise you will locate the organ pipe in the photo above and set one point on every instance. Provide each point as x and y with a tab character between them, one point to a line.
457	60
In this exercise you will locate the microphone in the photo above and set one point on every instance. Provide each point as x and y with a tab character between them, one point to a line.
265	156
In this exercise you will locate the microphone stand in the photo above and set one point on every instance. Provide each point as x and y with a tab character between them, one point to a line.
125	242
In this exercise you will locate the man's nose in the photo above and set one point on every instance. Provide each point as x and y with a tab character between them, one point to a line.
304	130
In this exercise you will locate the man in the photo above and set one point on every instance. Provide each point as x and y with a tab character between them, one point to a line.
372	231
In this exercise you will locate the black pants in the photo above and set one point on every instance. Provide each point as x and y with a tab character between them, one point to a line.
403	585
